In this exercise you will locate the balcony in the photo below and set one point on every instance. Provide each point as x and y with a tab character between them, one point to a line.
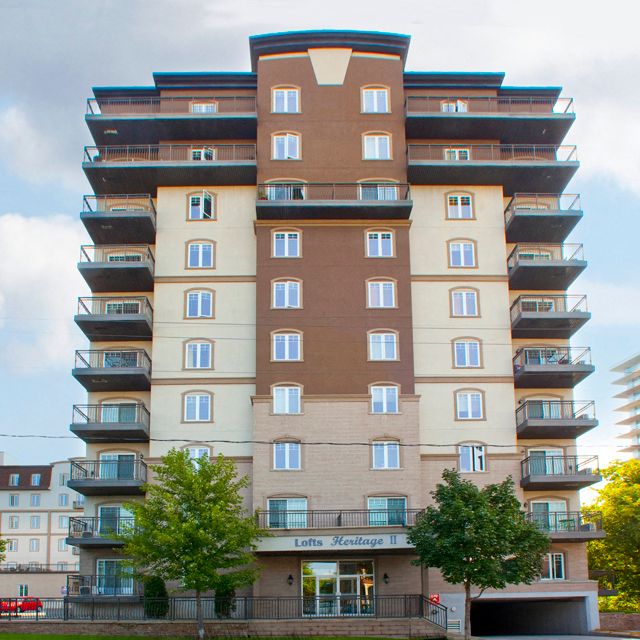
538	119
106	477
522	167
368	200
555	419
148	119
551	367
541	472
539	217
98	532
132	168
117	267
119	219
121	422
37	567
123	318
104	585
113	370
317	519
554	316
569	526
545	266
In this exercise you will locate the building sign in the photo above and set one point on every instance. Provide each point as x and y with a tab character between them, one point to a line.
343	542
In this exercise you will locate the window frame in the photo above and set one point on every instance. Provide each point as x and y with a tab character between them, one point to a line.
276	389
14	499
288	136
459	409
34	522
35	500
286	89
198	342
287	455
63	499
464	290
197	393
456	103
386	445
13	522
197	448
287	233
474	456
289	333
288	282
549	557
456	154
203	195
200	243
375	90
461	243
379	243
385	512
377	136
385	388
458	207
383	332
200	316
14	479
466	341
381	282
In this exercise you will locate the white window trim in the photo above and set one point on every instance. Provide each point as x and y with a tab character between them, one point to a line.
376	139
288	444
464	293
286	243
478	454
284	391
198	417
380	285
385	399
461	246
288	286
199	313
376	237
375	92
467	354
383	344
289	146
285	100
469	405
385	445
197	452
551	564
289	339
200	255
198	357
457	207
203	196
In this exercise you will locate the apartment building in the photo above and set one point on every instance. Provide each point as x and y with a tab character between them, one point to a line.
332	249
36	507
629	370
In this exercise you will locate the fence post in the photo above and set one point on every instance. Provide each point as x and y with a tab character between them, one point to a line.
118	609
93	609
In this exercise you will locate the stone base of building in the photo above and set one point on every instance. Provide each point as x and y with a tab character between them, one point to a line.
619	621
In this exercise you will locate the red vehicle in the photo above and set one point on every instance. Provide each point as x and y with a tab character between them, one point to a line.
18	605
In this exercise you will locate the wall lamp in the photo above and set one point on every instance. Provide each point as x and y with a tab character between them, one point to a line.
385	578
290	580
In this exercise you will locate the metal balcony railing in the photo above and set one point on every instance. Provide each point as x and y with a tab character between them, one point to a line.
111	359
106	413
541	203
123	204
455	105
36	567
103	585
551	356
566	521
555	410
109	470
117	253
175	105
171	153
541	253
548	304
102	527
123	305
544	465
507	153
319	519
361	191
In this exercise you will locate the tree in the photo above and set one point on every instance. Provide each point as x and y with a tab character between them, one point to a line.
3	549
478	537
192	528
619	502
156	598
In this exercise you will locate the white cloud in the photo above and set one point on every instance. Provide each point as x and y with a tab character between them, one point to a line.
610	304
39	284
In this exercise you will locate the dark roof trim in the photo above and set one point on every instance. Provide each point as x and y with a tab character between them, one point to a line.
122	92
551	92
452	79
206	80
295	41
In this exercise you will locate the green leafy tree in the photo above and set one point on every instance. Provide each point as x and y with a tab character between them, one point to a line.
619	552
192	528
478	537
3	549
156	598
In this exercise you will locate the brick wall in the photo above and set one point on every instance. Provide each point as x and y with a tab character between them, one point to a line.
620	621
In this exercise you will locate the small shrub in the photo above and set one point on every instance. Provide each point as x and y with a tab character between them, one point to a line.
156	598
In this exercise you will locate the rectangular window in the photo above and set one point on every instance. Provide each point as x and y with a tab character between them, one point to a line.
287	513
379	244
552	567
286	295
12	544
63	478
383	346
286	456
286	400
386	455
23	590
195	453
34	522
459	207
377	147
454	106
472	458
62	545
14	479
286	346
198	355
35	479
469	405
378	191
285	191
197	407
464	303
14	499
462	254
63	522
286	244
457	153
63	500
466	353
387	512
204	107
201	206
199	304
203	154
200	255
381	294
14	522
34	500
34	545
375	101
62	566
286	146
286	100
384	399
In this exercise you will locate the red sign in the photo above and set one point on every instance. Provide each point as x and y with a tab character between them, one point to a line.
434	597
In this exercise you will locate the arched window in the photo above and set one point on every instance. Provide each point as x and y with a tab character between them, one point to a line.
380	243
285	145
200	254
384	398
464	302
467	353
375	99
197	406
285	99
469	404
286	398
201	206
462	253
383	344
287	345
198	354
376	145
472	458
381	294
286	243
286	294
460	206
386	454
199	303
286	455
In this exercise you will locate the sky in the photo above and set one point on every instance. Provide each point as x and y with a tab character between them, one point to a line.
53	53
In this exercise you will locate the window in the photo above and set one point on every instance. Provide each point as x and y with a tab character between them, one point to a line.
286	399
286	455
466	353
379	244
204	107
203	154
549	462
198	355
457	153
287	346
384	399
286	294
63	478
284	191
454	106
23	590
200	304
375	100
34	522
384	512
287	513
469	405
62	545
34	500
14	479
459	207
63	522
35	479
12	544
14	522
201	206
62	566
462	254
286	146
285	100
378	191
383	346
552	567
14	499
34	545
63	500
386	455
472	458
464	303
195	453
381	294
286	244
377	147
200	255
197	407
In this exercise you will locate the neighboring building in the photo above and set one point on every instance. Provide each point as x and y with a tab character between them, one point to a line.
329	248
36	507
630	370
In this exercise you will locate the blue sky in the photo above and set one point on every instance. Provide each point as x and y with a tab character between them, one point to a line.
51	54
